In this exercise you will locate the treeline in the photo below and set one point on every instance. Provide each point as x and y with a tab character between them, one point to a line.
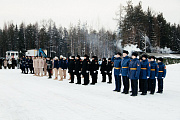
135	26
57	40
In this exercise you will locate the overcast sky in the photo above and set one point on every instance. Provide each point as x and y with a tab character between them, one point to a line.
63	12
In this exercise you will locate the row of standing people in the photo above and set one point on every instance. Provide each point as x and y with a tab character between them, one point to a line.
40	66
85	68
11	63
77	67
145	71
134	69
26	64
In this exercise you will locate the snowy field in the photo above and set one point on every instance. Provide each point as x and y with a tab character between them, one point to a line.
26	97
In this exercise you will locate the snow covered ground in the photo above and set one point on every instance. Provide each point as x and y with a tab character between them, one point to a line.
26	97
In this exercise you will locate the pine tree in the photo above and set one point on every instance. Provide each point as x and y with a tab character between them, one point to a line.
21	42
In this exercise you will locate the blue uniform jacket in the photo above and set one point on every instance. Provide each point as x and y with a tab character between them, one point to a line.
134	69
64	64
60	63
23	62
154	70
162	70
117	65
56	65
27	63
145	69
125	65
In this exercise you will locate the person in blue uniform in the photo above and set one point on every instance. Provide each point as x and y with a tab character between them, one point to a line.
124	71
140	82
153	74
85	69
133	73
72	68
117	66
109	70
104	69
161	75
149	82
144	75
94	66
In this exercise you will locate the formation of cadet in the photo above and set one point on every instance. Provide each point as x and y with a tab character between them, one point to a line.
144	70
26	64
83	67
131	70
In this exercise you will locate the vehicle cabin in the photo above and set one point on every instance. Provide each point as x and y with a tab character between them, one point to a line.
12	54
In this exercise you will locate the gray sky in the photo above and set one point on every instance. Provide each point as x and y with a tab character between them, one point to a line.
63	12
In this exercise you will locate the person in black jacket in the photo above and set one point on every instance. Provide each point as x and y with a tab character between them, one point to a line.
72	68
26	65
104	69
1	63
78	67
31	65
23	64
68	61
85	69
94	69
13	63
49	67
109	70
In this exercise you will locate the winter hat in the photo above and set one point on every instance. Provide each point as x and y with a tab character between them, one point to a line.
125	51
160	59
85	55
145	56
94	57
72	57
78	56
153	57
61	56
109	58
104	59
56	58
64	57
135	54
118	53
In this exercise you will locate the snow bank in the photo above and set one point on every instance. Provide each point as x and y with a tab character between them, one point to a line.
26	97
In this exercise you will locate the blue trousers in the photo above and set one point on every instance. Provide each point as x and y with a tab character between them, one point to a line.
153	85
126	84
118	82
160	85
134	87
